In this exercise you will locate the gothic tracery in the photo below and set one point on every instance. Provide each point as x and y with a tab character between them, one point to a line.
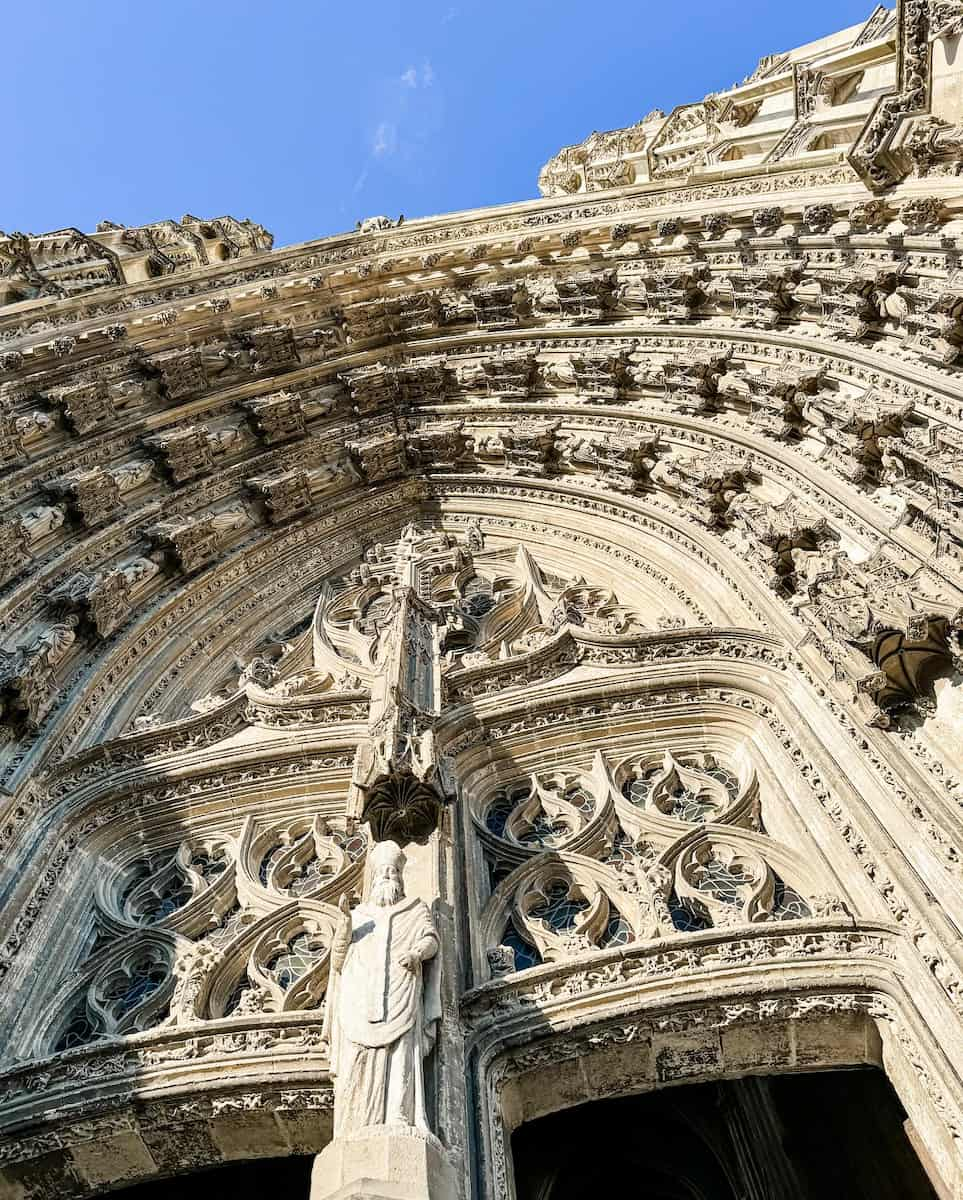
604	553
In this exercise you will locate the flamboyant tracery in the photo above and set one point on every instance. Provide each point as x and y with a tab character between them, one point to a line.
603	551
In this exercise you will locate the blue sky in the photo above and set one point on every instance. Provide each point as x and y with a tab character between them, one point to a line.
307	116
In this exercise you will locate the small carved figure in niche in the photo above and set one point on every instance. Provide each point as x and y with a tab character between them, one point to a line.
32	426
139	570
377	224
383	1004
230	519
52	643
133	474
475	536
43	519
260	672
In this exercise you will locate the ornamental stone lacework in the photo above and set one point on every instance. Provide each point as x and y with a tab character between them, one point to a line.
604	554
585	861
236	925
243	924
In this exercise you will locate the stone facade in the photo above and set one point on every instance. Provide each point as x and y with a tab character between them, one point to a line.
603	550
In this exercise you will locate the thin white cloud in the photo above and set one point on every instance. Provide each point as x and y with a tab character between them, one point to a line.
413	78
407	114
385	139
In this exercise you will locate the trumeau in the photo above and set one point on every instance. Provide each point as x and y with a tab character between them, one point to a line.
602	550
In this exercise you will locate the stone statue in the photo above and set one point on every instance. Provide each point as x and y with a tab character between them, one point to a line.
41	520
133	473
227	520
139	570
383	1004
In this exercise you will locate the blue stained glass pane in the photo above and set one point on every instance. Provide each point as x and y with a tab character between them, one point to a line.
145	979
618	932
498	813
687	805
174	896
560	909
299	957
788	905
209	865
719	880
685	918
526	955
81	1029
543	830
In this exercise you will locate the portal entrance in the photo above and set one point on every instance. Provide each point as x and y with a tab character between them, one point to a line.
251	1179
785	1137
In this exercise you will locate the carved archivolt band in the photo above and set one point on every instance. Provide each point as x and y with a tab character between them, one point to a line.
605	549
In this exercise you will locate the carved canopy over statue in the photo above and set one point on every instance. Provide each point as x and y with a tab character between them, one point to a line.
383	1003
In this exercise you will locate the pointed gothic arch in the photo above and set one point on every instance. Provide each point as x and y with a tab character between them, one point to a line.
604	550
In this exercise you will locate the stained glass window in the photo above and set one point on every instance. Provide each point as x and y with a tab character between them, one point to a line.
307	876
229	925
312	875
127	990
234	999
302	952
478	597
684	916
174	894
788	905
496	873
560	909
543	830
688	805
499	810
580	798
210	864
352	844
618	932
82	1028
636	791
720	880
526	955
623	852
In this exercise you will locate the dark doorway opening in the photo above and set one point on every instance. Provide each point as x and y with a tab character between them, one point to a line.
253	1179
781	1137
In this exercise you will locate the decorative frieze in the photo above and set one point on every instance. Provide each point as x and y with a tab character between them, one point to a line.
276	418
191	543
184	453
92	496
86	405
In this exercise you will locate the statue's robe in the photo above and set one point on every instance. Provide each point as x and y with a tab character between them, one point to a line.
381	1018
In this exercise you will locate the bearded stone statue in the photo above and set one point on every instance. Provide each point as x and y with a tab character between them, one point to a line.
383	1003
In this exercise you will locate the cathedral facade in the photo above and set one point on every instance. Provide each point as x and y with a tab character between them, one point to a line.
602	552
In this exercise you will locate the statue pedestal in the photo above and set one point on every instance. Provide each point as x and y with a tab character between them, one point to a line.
384	1162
